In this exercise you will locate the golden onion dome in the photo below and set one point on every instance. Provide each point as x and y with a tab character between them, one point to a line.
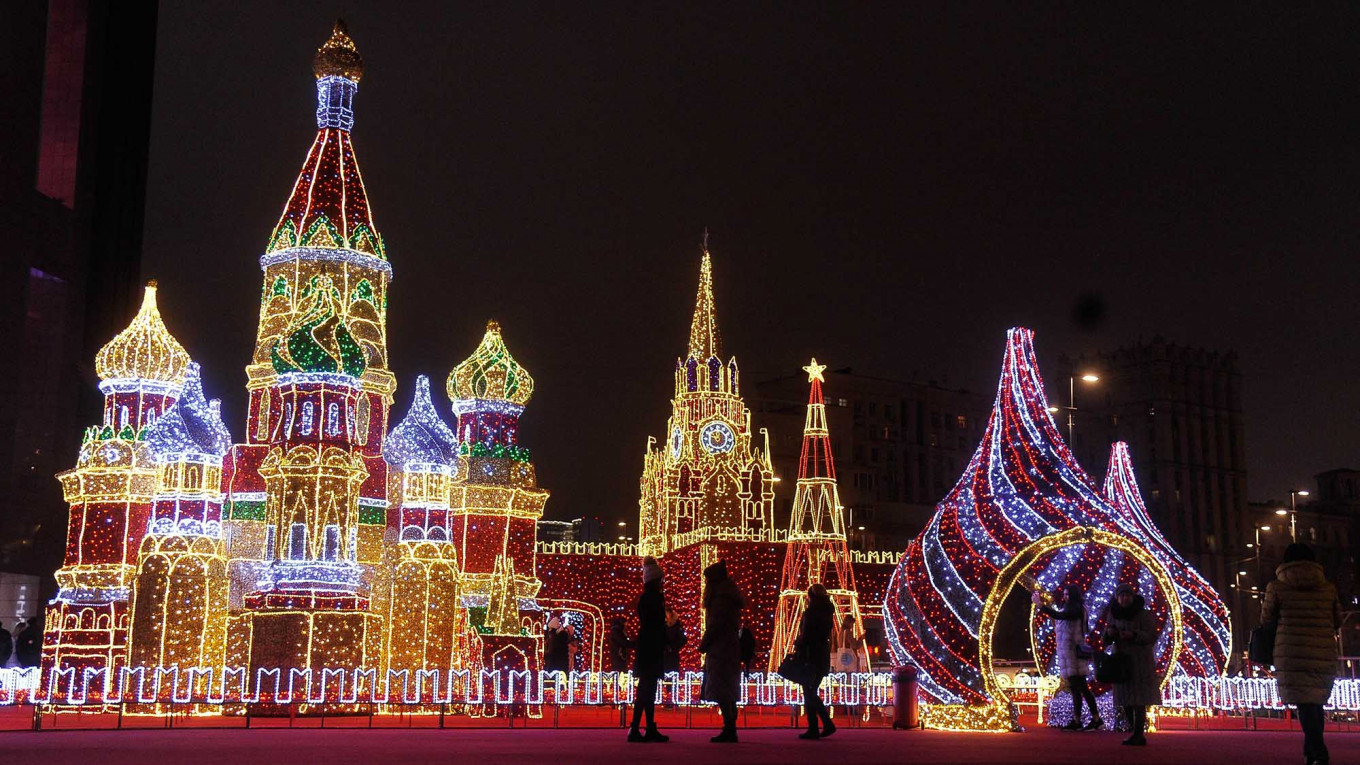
491	373
338	57
145	350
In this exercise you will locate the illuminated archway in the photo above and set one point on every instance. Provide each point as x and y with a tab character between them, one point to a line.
999	715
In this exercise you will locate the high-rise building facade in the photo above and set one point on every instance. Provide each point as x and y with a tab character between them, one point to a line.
899	446
1179	409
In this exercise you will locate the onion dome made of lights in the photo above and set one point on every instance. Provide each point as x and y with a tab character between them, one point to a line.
491	373
145	350
193	425
422	437
1022	485
337	57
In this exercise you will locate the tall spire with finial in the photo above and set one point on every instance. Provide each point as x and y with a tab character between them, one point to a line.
704	340
328	208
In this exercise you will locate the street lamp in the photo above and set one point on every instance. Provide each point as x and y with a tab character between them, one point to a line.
1259	529
1072	400
1293	512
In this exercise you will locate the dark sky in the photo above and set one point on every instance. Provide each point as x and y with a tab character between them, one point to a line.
889	186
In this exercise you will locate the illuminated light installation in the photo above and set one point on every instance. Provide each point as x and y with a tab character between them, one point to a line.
817	549
418	588
111	491
706	482
1023	512
179	605
495	504
307	490
1208	636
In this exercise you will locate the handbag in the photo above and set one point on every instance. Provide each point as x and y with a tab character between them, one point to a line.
795	669
1113	668
1261	644
1084	651
845	660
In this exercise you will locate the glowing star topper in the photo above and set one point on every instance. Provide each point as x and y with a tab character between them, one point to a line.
815	370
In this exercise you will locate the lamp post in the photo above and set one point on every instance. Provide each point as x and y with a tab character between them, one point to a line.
1294	511
1072	401
1259	529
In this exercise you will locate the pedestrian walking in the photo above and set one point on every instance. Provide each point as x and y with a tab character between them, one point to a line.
849	647
6	646
721	647
28	646
676	639
747	640
1304	607
1072	652
557	646
617	644
1130	626
649	658
813	646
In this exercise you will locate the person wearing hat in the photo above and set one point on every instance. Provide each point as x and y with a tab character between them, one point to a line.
649	656
1307	615
1133	630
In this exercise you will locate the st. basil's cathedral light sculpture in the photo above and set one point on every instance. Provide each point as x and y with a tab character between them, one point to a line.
1024	513
322	543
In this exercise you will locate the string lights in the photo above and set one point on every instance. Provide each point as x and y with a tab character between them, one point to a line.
1023	512
708	483
817	549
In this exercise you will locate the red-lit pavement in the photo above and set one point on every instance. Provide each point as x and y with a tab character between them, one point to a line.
607	747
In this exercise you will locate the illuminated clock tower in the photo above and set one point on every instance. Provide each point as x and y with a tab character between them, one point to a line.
706	482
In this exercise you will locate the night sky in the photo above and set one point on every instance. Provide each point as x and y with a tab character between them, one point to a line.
888	187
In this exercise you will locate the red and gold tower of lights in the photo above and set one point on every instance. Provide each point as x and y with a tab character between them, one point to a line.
495	504
307	490
111	491
817	549
706	483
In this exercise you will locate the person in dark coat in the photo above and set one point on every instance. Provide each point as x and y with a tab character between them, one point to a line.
617	643
721	647
1069	634
1307	615
1134	632
29	643
557	646
676	639
649	658
6	646
813	646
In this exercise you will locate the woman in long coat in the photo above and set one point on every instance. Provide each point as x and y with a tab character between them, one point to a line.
650	657
1307	614
813	645
1133	630
1069	633
721	647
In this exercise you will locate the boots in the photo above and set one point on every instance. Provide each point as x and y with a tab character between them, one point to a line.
635	736
728	736
812	733
827	728
654	736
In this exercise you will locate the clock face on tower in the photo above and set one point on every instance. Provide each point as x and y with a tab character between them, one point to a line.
677	442
717	437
